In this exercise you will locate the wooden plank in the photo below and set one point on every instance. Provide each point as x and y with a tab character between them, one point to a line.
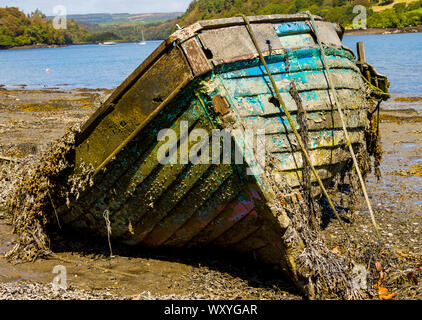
316	121
133	107
309	60
252	242
328	34
237	210
319	157
234	43
296	41
294	178
196	57
134	163
282	142
312	101
140	197
200	193
304	81
241	230
294	27
192	30
108	105
206	212
272	18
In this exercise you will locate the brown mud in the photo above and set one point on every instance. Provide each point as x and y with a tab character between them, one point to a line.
32	119
408	29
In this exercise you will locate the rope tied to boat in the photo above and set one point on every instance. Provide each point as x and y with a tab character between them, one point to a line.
293	127
106	216
333	93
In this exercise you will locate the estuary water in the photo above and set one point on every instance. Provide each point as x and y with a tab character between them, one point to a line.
399	57
78	66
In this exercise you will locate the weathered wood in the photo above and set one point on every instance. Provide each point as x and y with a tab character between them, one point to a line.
196	57
328	34
306	81
108	105
234	43
361	52
318	100
237	210
203	190
294	178
316	121
280	142
134	107
220	105
319	157
206	213
208	75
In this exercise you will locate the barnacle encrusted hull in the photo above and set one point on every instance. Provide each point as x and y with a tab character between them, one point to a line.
208	76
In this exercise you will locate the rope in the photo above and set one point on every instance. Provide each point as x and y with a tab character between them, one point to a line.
106	216
292	125
346	134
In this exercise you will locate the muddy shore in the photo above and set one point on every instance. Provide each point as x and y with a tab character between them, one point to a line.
31	119
409	29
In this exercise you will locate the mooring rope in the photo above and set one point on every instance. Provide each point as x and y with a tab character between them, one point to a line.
292	125
346	134
106	215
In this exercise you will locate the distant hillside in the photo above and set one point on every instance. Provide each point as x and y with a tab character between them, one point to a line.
380	13
17	29
127	27
118	18
397	13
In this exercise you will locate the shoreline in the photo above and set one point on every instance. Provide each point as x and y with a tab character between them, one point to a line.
48	46
409	29
36	46
348	32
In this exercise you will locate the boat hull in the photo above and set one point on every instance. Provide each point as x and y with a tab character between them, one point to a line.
208	77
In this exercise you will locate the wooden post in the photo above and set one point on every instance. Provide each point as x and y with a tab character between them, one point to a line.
361	51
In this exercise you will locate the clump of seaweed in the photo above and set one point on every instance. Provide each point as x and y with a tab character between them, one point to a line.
37	194
373	141
318	271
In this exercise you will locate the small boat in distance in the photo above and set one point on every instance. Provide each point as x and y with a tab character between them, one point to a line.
143	42
107	43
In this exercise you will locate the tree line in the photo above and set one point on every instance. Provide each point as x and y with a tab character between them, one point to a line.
339	11
18	29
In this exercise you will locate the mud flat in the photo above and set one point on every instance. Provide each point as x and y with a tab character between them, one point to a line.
32	119
409	29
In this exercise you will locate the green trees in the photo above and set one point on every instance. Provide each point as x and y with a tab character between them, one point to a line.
17	29
400	15
339	11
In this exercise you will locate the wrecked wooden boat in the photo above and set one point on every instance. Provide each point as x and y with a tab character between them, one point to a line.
209	76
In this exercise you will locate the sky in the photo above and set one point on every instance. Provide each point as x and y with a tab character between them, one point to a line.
99	6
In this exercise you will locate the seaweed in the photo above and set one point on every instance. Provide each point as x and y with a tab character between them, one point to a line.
317	271
373	140
38	193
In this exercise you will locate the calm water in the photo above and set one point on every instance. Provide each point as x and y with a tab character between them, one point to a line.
81	66
399	56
